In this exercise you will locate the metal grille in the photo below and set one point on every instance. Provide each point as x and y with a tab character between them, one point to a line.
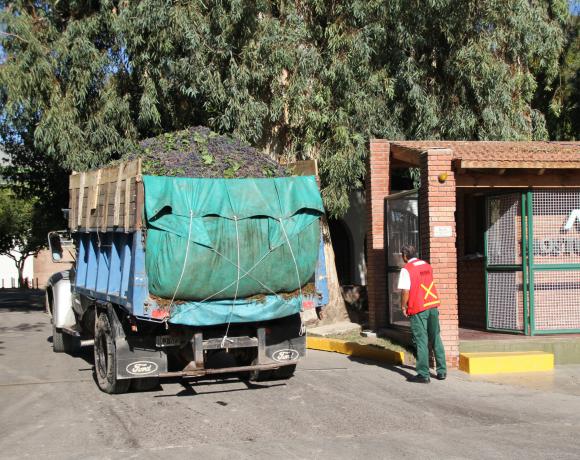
556	215
505	301
504	230
557	300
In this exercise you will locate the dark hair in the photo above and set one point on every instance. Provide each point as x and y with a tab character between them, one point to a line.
409	251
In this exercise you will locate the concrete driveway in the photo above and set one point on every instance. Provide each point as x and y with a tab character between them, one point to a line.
334	407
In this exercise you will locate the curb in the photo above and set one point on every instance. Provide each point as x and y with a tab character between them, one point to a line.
355	349
506	362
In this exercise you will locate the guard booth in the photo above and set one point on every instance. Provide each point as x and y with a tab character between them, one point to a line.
499	222
532	261
402	227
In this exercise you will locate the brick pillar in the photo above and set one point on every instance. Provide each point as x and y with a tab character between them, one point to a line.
437	204
377	188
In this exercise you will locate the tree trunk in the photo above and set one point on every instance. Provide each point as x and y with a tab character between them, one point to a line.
20	268
335	311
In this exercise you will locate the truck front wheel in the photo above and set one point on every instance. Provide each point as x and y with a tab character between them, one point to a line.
61	342
106	359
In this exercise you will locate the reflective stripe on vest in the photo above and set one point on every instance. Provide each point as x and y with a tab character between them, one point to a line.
423	294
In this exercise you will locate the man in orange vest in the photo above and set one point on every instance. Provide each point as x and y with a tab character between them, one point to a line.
420	302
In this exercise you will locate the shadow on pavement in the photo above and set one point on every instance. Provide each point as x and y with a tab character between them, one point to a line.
189	387
403	369
22	300
24	327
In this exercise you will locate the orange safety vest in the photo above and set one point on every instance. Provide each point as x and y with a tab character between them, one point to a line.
423	294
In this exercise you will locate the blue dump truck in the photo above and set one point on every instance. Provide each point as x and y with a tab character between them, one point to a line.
187	277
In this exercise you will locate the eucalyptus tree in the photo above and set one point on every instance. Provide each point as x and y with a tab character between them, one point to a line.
82	81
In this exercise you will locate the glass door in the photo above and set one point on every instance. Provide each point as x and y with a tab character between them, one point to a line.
401	227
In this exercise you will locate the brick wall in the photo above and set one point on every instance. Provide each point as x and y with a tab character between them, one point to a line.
471	293
44	267
377	188
470	277
437	205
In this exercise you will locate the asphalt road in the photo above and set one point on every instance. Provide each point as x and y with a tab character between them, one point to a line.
334	407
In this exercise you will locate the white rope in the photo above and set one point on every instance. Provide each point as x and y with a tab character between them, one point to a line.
247	273
302	326
237	286
193	304
240	270
184	264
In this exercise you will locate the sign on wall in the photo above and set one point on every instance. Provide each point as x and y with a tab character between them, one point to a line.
556	226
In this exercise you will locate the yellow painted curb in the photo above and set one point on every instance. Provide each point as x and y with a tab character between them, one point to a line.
504	362
355	349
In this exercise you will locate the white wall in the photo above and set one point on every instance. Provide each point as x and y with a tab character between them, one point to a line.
8	271
356	221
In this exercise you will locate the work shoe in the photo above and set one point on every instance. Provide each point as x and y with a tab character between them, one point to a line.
419	379
441	376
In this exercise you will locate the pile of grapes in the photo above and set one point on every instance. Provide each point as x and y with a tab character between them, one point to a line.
200	152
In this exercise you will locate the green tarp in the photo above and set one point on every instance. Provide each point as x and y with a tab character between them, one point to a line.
243	311
197	229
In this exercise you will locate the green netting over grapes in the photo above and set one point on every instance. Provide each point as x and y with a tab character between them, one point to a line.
212	239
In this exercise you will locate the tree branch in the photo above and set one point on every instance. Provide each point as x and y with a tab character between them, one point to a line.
7	34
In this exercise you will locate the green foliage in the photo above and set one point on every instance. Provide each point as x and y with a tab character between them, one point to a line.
231	171
21	229
560	101
207	159
83	81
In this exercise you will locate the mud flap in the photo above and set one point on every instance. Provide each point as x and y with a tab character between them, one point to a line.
284	344
135	363
286	351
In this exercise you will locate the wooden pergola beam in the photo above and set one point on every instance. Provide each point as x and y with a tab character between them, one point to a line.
491	164
406	155
514	179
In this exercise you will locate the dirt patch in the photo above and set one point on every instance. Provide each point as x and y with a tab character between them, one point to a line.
373	341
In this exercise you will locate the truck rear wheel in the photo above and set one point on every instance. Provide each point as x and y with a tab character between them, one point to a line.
106	358
284	373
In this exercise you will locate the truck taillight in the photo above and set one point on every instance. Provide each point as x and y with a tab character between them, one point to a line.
159	314
308	304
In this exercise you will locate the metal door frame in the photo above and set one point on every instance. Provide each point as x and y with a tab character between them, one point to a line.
510	268
533	268
392	268
528	267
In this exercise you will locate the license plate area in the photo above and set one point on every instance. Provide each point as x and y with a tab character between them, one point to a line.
165	341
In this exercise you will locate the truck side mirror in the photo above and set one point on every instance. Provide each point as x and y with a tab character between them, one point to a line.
56	242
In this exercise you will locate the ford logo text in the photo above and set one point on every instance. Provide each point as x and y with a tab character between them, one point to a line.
285	355
142	368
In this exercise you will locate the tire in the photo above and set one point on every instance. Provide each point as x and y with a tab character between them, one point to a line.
260	376
60	341
284	373
106	358
146	384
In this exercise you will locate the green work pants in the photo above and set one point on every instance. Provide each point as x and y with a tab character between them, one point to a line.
425	329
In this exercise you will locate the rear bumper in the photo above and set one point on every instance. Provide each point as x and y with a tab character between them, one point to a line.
226	370
272	352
